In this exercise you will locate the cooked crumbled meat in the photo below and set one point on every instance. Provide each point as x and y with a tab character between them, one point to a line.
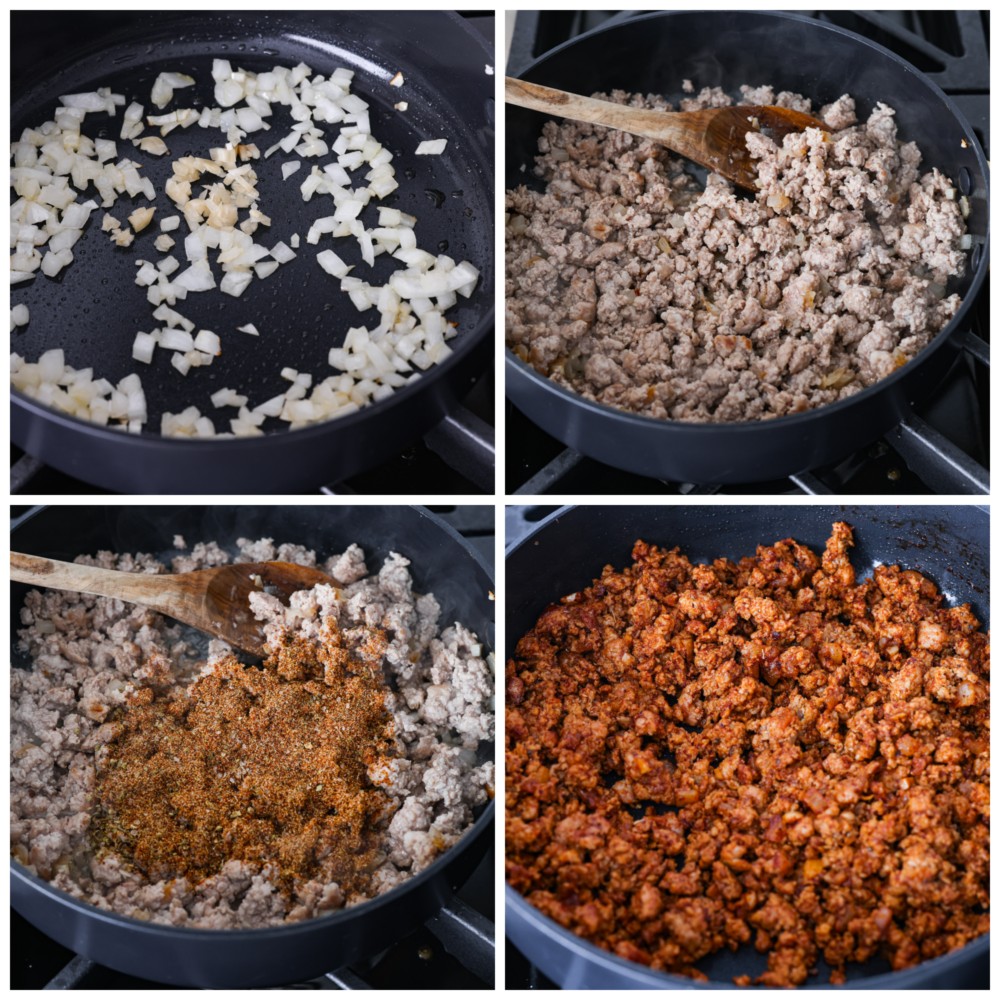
349	567
631	287
201	556
771	752
260	551
90	653
296	554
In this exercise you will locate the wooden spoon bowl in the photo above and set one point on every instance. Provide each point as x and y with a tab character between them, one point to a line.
714	138
215	600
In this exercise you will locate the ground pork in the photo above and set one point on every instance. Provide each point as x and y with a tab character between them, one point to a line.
703	756
90	652
628	285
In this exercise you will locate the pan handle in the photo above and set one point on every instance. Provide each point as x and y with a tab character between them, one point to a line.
467	935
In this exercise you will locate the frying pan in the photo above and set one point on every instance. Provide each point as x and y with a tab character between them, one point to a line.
93	308
441	562
568	549
653	54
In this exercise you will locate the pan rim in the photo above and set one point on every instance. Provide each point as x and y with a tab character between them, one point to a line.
652	978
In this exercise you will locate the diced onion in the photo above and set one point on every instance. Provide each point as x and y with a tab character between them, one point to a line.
431	147
282	253
153	144
410	328
207	342
143	347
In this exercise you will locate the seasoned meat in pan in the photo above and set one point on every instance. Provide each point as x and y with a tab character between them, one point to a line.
771	752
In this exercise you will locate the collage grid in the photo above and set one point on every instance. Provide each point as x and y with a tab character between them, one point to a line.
570	493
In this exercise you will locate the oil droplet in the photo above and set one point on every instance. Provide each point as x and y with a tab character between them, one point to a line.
456	194
409	173
442	246
435	196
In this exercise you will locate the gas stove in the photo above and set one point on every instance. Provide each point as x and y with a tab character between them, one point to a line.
944	448
455	950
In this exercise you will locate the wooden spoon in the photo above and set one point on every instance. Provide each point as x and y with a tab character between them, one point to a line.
713	138
216	600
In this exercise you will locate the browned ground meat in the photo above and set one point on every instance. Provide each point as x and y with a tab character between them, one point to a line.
705	756
628	285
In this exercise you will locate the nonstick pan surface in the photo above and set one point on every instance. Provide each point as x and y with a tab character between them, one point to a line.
93	308
442	563
568	550
653	53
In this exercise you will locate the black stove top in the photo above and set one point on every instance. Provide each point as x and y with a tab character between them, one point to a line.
453	951
945	449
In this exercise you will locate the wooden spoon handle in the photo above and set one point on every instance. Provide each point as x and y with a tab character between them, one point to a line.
575	106
679	132
135	588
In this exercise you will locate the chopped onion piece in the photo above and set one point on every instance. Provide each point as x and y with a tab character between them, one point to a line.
146	274
235	282
163	243
249	328
143	347
168	265
289	168
282	253
272	408
165	84
19	315
141	218
176	340
397	80
153	144
197	278
170	223
266	268
402	106
431	147
208	342
332	264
